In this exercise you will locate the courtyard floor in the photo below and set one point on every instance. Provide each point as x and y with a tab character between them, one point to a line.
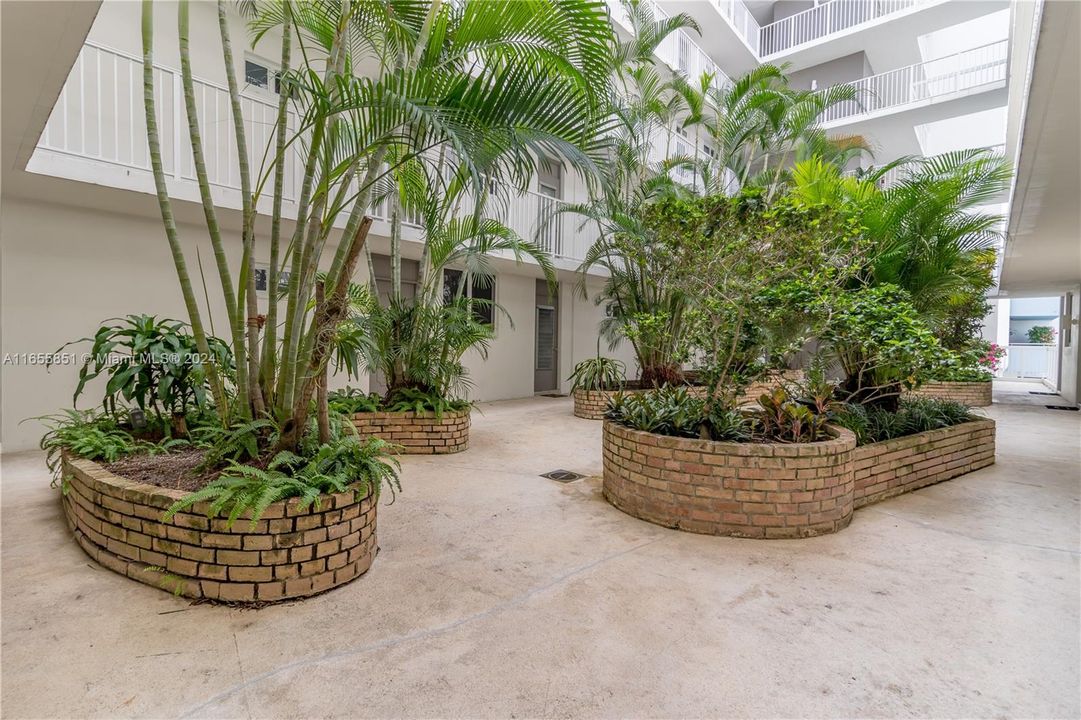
500	593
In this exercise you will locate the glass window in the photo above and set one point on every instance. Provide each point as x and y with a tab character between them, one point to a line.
481	290
257	75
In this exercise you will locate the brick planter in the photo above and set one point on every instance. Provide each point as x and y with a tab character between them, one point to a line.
973	394
290	553
722	488
418	433
893	467
778	490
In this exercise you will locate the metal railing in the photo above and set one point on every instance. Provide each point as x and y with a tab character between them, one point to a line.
100	116
924	81
1026	360
742	21
824	19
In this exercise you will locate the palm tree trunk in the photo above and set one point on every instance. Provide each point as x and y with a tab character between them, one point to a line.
270	329
236	327
166	208
246	289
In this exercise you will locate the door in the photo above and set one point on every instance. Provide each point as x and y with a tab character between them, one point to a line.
545	362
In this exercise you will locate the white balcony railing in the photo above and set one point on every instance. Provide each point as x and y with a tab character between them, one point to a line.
678	50
1025	360
99	116
742	21
967	70
824	19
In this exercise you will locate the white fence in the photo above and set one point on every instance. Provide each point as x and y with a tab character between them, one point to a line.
1026	360
924	81
99	116
824	19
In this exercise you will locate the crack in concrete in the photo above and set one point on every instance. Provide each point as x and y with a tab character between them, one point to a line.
520	599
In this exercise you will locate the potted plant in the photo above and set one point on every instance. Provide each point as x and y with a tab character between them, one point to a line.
593	382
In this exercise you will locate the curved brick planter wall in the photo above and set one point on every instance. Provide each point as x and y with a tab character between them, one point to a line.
418	433
723	488
890	468
973	394
778	491
289	554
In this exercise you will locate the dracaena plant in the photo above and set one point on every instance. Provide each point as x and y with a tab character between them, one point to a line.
476	89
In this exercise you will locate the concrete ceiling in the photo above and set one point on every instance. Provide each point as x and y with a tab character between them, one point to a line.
1043	249
39	42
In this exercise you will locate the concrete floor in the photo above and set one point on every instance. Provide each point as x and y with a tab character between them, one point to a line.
499	593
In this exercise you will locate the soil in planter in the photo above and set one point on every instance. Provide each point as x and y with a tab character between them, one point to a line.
174	470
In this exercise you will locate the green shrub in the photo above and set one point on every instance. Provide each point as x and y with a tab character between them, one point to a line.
599	373
352	400
152	363
872	424
409	399
1041	335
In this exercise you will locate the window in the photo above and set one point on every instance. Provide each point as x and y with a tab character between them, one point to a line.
1067	320
709	151
482	288
262	277
258	73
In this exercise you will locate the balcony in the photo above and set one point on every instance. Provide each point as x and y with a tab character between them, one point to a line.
956	75
96	133
678	51
826	19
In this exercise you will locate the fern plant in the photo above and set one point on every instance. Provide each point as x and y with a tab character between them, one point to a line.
598	373
409	399
366	467
235	444
85	433
353	400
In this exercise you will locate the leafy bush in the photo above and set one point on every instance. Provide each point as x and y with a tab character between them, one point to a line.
666	411
975	363
1041	335
153	363
343	463
881	343
234	444
915	415
419	401
785	419
599	373
352	400
94	436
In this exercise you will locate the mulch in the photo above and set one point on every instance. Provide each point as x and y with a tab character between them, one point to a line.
174	470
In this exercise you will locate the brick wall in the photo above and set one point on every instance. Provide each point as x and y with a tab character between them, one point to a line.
290	553
722	488
590	404
973	394
776	490
897	466
417	433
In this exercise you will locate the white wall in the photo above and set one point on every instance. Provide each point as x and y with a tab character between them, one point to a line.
1070	360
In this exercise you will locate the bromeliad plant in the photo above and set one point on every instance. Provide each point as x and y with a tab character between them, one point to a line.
482	88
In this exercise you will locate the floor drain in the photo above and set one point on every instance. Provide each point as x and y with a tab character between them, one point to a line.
1037	392
553	395
1060	407
563	476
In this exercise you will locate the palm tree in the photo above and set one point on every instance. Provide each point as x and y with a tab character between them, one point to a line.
495	86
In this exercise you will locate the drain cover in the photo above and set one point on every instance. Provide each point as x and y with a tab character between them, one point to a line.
564	476
1037	392
1060	407
553	395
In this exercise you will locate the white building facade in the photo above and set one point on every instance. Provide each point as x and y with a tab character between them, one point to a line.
82	236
